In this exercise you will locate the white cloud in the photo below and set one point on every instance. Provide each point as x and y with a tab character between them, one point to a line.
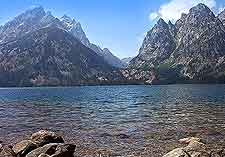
153	16
221	9
173	9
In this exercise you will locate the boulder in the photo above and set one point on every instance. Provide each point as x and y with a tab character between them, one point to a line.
178	152
189	139
7	152
195	146
65	150
53	150
24	147
48	149
45	137
44	155
194	149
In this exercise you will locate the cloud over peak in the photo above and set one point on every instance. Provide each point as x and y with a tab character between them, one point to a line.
174	8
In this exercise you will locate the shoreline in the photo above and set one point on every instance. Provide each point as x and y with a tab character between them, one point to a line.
46	143
107	85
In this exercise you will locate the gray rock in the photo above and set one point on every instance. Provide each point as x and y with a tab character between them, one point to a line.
44	155
7	152
139	75
179	152
193	149
45	137
48	149
189	140
53	150
24	147
65	150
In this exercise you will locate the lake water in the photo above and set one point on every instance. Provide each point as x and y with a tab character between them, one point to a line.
116	120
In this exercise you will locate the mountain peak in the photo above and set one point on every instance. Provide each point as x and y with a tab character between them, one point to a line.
221	16
34	13
200	8
36	10
170	23
106	50
161	22
67	19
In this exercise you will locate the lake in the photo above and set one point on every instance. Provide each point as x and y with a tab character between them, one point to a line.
116	120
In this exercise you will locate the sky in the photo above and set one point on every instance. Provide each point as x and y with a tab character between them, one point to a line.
119	25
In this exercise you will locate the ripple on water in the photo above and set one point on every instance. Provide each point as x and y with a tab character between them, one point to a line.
125	120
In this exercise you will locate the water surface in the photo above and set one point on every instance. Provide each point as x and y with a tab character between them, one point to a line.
116	120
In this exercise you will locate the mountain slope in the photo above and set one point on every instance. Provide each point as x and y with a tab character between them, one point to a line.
76	29
192	50
127	60
157	46
221	16
37	18
49	56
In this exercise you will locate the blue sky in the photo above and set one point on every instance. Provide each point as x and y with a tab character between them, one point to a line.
119	25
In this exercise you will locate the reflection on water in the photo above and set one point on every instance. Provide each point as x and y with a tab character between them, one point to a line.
125	120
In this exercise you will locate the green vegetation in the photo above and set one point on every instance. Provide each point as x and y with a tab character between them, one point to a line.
164	66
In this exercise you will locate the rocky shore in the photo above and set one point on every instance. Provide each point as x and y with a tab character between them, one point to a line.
41	144
195	148
49	144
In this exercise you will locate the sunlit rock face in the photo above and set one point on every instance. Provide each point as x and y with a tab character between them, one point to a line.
157	46
191	50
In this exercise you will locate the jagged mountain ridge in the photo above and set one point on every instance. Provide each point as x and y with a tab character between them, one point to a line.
191	50
49	56
127	60
37	18
37	49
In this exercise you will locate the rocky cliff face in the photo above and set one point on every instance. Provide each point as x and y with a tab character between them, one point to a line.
37	18
49	56
22	24
157	46
221	16
192	50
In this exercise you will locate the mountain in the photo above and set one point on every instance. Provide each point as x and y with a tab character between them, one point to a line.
37	49
112	59
192	50
76	29
127	60
37	18
221	16
48	56
157	46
